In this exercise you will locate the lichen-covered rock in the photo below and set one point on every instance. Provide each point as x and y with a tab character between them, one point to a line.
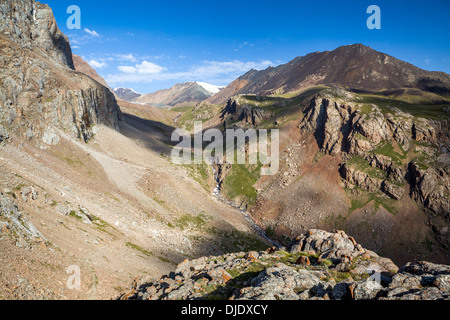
3	134
430	187
420	281
14	224
279	283
360	178
367	290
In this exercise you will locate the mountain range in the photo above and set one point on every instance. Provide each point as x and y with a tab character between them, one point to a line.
180	94
356	67
126	94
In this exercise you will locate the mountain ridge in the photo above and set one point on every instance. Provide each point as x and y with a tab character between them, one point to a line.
357	67
190	92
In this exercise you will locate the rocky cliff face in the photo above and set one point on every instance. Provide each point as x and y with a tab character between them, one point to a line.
12	222
236	111
316	266
31	25
40	91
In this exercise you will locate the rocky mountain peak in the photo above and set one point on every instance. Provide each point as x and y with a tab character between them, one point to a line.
357	67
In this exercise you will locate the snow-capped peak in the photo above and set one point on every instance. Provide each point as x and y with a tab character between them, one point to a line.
125	89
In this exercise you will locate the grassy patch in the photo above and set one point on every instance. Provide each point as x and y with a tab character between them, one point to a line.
239	183
191	222
74	214
386	148
139	248
424	107
379	200
361	164
237	241
191	114
201	174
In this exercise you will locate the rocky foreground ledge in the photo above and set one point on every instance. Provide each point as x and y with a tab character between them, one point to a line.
316	266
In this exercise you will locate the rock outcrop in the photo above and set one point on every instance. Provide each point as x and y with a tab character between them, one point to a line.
31	25
316	266
39	90
17	226
235	111
383	149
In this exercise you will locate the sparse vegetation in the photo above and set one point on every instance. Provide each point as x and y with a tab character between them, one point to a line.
239	184
192	222
379	200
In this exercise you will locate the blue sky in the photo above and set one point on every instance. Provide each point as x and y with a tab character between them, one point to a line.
151	45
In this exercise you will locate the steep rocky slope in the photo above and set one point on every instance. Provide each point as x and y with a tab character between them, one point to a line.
357	67
40	90
315	266
82	66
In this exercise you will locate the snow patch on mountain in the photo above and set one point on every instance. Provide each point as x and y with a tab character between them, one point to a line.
210	87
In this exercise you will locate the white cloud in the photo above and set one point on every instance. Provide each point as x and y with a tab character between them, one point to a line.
97	65
92	32
145	68
126	57
127	69
149	68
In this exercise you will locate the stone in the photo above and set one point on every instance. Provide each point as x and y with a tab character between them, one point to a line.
3	133
367	290
252	256
393	191
442	282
